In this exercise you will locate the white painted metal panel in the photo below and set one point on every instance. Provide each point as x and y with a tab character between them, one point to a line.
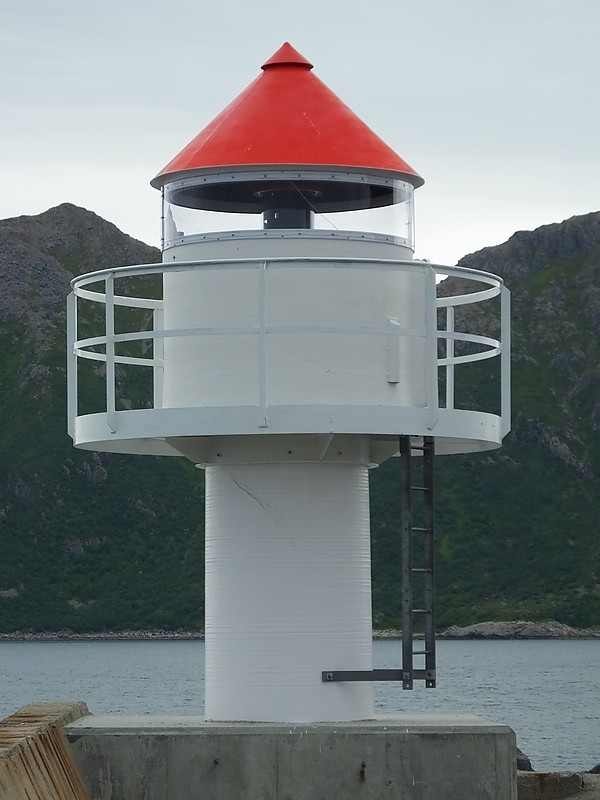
296	334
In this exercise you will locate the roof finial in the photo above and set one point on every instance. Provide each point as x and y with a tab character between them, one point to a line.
287	55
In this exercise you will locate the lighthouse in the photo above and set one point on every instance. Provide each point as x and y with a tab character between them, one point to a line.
293	344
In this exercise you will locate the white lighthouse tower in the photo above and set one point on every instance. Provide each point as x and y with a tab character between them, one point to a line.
293	343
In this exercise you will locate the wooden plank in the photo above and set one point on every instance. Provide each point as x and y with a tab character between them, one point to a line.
35	763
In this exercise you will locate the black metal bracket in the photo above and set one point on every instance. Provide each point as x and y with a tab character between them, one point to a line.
339	675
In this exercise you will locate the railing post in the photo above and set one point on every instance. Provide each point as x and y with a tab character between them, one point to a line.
72	401
110	351
449	355
505	366
431	356
158	347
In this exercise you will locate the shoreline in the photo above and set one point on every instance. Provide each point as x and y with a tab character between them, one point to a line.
488	631
102	636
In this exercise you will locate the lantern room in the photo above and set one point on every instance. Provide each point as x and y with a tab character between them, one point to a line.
287	155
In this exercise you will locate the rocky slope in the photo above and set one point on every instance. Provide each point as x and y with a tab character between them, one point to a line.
88	541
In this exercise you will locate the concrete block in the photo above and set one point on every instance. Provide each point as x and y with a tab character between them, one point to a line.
334	763
449	765
400	758
122	765
549	785
222	766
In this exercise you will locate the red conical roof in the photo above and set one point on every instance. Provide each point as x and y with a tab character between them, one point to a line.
287	116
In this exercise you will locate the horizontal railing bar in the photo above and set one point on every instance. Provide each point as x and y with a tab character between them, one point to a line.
465	299
139	361
469	357
475	338
169	334
151	303
91	341
91	356
362	330
478	276
306	330
134	360
247	263
120	299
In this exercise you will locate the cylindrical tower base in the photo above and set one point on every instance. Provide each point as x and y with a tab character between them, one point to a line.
288	591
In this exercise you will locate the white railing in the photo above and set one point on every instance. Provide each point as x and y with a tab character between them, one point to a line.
105	295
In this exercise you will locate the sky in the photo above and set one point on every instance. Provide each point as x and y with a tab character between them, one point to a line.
496	104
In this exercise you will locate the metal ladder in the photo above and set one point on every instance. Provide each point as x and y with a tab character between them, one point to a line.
418	573
418	561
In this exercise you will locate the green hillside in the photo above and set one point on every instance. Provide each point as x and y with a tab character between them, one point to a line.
97	542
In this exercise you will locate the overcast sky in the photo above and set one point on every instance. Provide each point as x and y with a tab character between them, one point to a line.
495	102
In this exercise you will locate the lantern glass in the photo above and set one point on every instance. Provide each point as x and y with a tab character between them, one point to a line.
287	204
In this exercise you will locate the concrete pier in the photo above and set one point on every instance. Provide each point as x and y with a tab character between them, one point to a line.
425	757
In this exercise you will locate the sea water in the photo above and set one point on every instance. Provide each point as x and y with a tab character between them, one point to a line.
547	691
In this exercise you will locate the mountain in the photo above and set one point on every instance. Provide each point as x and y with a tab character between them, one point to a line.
518	527
89	541
92	541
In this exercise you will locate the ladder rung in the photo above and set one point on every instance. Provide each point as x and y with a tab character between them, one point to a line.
421	569
421	488
422	652
422	610
421	530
